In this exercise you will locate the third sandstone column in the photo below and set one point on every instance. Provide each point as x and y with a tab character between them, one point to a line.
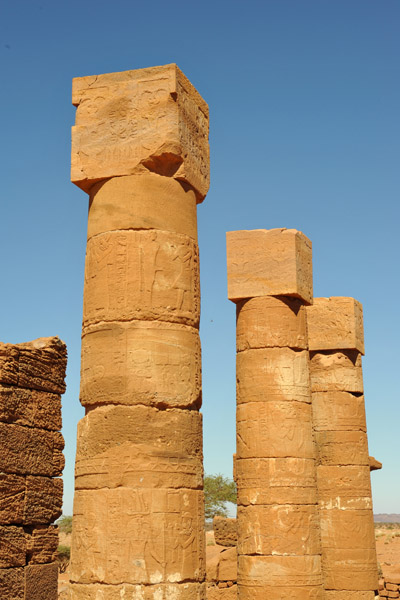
140	149
336	339
270	279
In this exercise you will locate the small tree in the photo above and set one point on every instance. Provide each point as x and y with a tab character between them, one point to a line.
217	491
65	524
63	557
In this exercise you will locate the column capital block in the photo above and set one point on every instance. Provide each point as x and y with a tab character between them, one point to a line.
133	121
335	324
274	262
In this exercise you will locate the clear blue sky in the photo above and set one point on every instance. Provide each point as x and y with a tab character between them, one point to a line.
304	100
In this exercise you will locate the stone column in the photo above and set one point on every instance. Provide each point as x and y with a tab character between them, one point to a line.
31	462
140	149
336	340
270	279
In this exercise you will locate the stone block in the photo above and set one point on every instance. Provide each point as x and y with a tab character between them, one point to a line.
276	481
263	592
43	500
12	498
139	447
12	547
225	531
338	411
136	120
344	487
41	581
141	362
335	324
392	575
274	430
275	262
280	571
273	374
349	595
144	275
137	536
169	591
39	364
342	447
42	544
32	408
374	465
269	322
216	593
31	450
336	371
278	530
143	201
12	584
227	566
350	569
347	529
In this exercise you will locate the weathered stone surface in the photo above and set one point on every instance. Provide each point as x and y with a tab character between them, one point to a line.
336	371
349	529
335	324
141	363
12	547
274	430
139	447
39	364
349	595
41	581
216	593
344	487
169	591
268	322
225	531
392	575
159	539
351	569
374	465
12	498
263	592
150	275
278	530
342	447
280	571
32	408
275	262
276	481
145	201
43	500
12	584
272	374
144	119
31	450
41	544
227	566
338	411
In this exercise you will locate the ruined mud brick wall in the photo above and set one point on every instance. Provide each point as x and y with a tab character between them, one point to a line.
222	568
140	150
389	585
31	462
336	340
270	280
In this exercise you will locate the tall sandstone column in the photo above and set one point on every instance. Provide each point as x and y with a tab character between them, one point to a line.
270	279
336	340
140	149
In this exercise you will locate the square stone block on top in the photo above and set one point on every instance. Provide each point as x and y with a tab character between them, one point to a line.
136	120
274	262
335	324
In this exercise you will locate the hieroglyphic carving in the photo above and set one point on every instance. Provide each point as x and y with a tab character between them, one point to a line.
161	530
141	362
141	275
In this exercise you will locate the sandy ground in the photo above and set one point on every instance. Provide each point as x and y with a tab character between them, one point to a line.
387	547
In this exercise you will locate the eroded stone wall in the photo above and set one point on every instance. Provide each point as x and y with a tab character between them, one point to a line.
140	149
31	463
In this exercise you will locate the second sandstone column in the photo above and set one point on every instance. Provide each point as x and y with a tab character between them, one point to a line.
270	279
140	148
